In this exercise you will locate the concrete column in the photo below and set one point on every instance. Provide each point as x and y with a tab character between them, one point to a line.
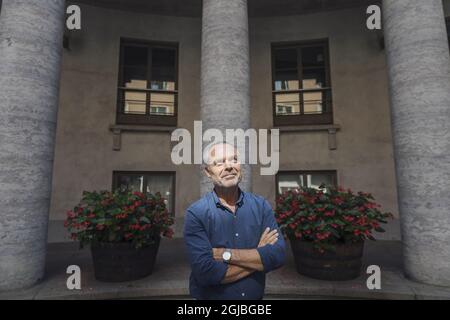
419	75
30	53
225	73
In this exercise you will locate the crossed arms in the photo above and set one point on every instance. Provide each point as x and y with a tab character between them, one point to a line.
245	261
207	265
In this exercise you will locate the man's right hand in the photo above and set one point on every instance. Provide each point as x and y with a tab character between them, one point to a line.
268	237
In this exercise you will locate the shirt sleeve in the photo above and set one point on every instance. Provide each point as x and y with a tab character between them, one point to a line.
272	256
205	270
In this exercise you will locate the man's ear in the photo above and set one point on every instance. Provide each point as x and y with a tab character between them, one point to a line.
206	170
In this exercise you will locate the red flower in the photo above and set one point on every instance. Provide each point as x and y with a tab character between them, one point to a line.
329	213
71	214
139	194
338	201
348	218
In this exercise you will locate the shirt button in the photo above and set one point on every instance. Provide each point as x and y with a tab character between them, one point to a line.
237	234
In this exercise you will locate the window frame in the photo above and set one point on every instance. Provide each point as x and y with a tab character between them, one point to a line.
147	119
172	174
304	173
303	119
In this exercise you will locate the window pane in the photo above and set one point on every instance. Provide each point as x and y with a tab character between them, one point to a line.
286	85
289	181
313	56
163	85
314	78
287	104
130	183
163	67
316	179
135	102
286	70
312	103
162	104
162	184
135	67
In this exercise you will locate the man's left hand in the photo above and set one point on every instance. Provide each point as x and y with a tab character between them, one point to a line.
217	253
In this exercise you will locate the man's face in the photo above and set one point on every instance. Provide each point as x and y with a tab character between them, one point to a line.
224	168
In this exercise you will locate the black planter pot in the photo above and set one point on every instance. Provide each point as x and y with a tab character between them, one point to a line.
343	264
116	262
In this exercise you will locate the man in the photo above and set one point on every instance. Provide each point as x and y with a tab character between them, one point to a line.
231	236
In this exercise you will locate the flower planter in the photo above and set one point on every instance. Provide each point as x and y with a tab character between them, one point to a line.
116	262
342	264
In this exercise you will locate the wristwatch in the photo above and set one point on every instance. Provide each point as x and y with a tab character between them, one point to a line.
226	255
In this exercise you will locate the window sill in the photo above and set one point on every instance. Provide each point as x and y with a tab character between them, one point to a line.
330	128
118	129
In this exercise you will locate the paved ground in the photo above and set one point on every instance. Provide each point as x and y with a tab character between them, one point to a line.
170	278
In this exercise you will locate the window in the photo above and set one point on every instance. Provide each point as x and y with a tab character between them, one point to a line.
301	84
147	92
162	182
288	180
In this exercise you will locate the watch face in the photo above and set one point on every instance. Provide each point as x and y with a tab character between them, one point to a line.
226	255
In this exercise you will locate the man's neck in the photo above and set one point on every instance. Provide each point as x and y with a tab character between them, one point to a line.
228	196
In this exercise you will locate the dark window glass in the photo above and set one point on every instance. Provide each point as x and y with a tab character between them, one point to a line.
312	179
301	85
147	182
148	84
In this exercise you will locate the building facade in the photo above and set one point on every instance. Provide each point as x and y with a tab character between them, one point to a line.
365	109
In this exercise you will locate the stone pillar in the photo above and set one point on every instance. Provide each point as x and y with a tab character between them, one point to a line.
225	73
30	53
419	76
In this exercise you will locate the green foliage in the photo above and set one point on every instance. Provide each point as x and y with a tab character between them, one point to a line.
328	215
119	217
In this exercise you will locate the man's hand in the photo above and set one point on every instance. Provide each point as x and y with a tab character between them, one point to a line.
217	253
268	237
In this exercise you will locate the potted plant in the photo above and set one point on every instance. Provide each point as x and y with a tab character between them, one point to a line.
327	228
123	229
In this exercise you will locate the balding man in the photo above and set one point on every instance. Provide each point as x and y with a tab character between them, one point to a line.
231	236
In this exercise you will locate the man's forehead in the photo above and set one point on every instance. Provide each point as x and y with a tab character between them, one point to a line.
223	150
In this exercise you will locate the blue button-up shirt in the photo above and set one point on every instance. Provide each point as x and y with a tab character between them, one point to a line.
209	224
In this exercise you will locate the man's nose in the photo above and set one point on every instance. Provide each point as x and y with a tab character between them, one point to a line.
228	165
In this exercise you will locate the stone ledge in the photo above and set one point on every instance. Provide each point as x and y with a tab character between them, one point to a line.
117	130
330	128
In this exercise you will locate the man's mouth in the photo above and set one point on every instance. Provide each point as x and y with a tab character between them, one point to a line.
229	175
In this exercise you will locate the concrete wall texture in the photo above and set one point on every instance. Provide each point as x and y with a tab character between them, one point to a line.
84	156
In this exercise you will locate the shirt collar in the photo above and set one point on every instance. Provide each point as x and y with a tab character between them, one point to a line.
238	203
